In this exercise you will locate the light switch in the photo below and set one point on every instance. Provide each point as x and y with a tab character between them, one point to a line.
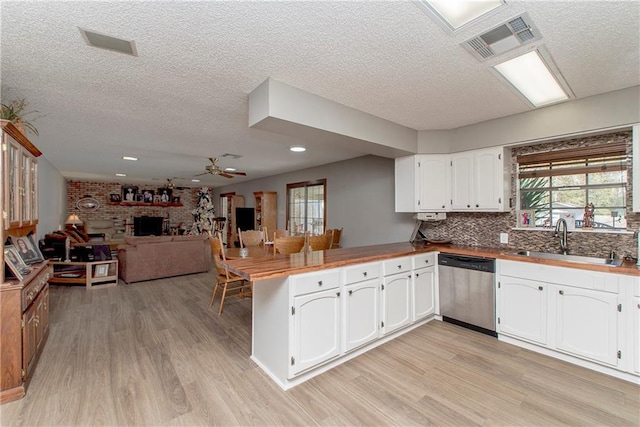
504	238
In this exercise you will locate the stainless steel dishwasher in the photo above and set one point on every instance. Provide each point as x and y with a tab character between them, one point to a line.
467	291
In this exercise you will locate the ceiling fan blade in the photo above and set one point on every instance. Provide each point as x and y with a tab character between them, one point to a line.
239	173
213	160
226	175
203	173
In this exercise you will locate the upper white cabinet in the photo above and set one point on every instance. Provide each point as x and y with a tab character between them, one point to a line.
422	183
636	166
480	180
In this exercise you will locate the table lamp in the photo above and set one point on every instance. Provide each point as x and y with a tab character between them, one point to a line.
73	220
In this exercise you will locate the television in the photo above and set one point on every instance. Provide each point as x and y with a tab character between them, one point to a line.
245	218
147	225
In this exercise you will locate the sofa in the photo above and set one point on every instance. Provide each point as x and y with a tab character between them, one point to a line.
149	257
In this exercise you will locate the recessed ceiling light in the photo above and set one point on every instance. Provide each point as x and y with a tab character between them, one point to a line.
230	169
297	149
455	14
195	180
135	159
121	174
532	77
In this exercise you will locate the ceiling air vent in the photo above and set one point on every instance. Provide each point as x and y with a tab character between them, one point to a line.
104	41
503	38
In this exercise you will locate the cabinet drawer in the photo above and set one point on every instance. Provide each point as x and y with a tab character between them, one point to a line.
30	292
361	272
397	265
314	282
424	260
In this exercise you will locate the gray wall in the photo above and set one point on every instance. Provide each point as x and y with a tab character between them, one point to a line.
360	199
52	198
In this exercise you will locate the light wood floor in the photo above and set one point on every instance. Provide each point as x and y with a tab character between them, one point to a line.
154	353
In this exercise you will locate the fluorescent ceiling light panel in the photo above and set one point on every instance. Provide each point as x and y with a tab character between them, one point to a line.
297	149
457	13
195	180
530	75
134	159
121	174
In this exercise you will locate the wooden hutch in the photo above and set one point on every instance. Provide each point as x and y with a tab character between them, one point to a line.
233	201
24	304
266	203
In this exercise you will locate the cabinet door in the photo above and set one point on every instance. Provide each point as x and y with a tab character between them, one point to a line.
522	309
586	324
433	182
488	179
29	338
396	302
316	329
33	195
361	314
25	189
424	281
12	185
635	330
461	186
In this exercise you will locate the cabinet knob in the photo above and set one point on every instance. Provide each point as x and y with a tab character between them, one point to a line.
319	282
468	206
364	274
561	292
399	267
350	292
417	274
540	288
477	205
442	206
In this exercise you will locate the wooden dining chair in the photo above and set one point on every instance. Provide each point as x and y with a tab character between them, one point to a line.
250	238
320	242
225	280
281	233
337	235
288	245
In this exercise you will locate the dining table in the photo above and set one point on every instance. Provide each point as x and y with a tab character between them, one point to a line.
251	252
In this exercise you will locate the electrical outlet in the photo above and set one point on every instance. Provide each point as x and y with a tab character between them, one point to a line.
504	238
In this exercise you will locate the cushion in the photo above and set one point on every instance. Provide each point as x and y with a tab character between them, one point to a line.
187	237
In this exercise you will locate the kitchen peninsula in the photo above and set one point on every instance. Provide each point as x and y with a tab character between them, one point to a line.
314	311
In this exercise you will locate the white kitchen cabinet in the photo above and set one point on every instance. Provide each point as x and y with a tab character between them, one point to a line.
522	309
315	319
361	323
396	301
480	180
587	323
635	331
316	329
424	284
422	183
635	142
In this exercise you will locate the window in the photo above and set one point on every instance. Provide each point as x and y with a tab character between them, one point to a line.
561	183
306	207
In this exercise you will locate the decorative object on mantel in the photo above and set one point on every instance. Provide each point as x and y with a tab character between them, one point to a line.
87	203
587	222
526	218
16	114
203	213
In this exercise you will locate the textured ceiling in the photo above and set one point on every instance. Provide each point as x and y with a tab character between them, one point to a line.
185	97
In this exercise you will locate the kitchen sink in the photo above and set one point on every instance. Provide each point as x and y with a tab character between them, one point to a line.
572	258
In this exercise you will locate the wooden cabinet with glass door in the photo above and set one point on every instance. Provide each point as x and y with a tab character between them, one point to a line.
233	201
20	179
266	210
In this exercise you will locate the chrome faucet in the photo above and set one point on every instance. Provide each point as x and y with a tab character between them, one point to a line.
562	224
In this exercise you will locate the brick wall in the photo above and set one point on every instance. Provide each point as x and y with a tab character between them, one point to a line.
101	191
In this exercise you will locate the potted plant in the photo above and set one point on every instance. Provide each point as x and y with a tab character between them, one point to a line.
16	114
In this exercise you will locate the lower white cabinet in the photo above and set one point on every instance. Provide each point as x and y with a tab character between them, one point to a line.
361	323
396	302
587	323
316	329
424	284
635	330
522	309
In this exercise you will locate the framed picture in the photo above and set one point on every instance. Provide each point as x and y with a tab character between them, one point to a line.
165	194
157	198
101	253
16	265
25	249
175	199
34	243
115	198
129	193
139	197
526	218
147	196
102	270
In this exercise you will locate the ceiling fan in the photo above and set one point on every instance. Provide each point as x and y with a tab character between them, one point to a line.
214	169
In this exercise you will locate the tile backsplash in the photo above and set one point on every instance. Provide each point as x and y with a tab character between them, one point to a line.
483	229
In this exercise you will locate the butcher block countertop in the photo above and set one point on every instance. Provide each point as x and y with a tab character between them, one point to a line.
272	266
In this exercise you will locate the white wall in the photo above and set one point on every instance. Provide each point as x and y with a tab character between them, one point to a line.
360	199
52	198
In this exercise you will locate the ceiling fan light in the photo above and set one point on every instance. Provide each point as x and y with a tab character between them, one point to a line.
297	149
